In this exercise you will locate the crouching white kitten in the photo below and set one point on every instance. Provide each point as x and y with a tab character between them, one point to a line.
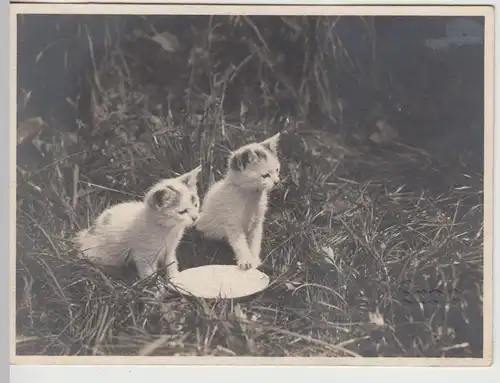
234	208
146	232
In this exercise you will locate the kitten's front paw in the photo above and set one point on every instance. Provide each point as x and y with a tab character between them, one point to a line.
244	264
249	263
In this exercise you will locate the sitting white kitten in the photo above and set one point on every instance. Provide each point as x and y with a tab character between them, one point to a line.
234	208
148	231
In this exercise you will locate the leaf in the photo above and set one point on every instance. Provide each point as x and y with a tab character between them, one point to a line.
25	339
168	41
376	318
289	286
329	254
27	97
292	23
292	285
339	206
27	129
294	171
385	133
39	56
150	348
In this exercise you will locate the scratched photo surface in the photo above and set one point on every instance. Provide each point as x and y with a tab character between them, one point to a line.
373	236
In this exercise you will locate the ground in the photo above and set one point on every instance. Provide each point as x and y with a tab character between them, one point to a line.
374	246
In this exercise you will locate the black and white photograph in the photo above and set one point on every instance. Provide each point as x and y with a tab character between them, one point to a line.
213	183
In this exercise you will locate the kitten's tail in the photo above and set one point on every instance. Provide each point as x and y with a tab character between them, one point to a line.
87	245
80	236
93	248
81	241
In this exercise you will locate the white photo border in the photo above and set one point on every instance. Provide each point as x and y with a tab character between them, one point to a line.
129	371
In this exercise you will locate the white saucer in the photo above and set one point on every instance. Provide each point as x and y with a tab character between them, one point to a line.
220	281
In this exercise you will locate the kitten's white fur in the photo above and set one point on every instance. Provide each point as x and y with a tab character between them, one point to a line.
234	208
148	231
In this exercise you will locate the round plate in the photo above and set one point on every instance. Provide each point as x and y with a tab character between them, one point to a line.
220	281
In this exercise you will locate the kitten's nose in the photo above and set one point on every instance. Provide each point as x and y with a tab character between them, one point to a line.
194	217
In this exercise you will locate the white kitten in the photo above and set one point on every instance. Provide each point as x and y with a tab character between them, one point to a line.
149	231
234	208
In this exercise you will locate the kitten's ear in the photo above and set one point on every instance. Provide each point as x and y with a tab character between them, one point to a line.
191	178
272	143
158	198
240	161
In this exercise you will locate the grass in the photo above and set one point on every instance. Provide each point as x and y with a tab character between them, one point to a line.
372	250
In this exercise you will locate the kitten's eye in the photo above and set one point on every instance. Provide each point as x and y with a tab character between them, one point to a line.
266	175
183	211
